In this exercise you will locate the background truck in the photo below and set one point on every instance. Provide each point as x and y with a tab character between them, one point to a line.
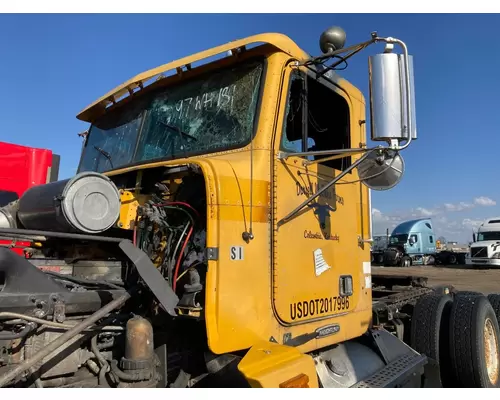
22	167
380	244
411	243
452	253
218	234
485	247
414	243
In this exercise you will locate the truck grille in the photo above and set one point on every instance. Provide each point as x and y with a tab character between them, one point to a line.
477	252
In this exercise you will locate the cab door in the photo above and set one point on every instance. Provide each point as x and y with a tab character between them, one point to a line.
315	250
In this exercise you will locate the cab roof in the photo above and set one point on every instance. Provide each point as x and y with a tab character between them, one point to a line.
412	225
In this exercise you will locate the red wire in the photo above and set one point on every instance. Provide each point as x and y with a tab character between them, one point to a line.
176	271
179	203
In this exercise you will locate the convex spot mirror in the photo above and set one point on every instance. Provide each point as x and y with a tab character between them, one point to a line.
381	170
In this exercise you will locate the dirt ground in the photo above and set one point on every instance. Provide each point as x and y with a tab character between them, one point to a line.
486	280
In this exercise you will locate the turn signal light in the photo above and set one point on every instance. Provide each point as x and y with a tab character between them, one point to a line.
299	381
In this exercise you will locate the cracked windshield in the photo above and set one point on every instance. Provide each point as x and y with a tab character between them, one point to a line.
205	115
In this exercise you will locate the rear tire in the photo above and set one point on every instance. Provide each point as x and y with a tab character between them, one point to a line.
452	259
494	300
474	342
468	293
429	332
406	262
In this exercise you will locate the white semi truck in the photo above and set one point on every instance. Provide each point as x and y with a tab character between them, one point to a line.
485	249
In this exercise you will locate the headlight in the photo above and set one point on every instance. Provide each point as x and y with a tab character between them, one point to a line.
496	255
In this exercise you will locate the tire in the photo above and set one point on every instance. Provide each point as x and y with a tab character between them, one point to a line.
405	262
468	293
494	300
431	260
429	332
452	259
475	361
380	259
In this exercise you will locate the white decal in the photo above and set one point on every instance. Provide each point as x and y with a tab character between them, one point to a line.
367	267
320	264
236	253
368	281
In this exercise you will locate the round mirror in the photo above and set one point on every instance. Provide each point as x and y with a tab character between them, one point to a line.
332	39
381	170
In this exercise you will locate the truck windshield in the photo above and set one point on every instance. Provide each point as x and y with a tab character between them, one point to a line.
212	113
399	239
488	236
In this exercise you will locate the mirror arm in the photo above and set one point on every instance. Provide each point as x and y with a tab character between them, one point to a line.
331	54
289	216
358	48
331	158
283	155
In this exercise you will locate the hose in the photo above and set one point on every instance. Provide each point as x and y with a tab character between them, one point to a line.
52	324
102	361
97	353
11	336
61	340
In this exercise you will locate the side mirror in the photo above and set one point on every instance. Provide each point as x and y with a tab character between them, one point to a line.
389	98
412	241
473	238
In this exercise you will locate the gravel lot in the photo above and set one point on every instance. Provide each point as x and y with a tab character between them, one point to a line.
484	280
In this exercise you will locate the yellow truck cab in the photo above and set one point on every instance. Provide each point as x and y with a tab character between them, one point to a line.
222	205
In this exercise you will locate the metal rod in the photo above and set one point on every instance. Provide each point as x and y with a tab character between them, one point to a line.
285	155
331	158
360	47
408	93
61	340
326	187
61	235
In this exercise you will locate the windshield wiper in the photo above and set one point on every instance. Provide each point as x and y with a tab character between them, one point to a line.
105	154
179	130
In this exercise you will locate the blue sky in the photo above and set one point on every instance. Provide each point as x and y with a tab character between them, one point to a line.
54	65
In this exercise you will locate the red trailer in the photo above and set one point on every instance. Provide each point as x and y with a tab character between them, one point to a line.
22	167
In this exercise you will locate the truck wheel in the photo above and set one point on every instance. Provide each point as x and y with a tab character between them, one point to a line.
380	259
452	259
429	332
494	300
405	262
474	342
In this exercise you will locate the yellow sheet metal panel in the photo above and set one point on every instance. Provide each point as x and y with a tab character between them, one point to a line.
270	365
128	209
